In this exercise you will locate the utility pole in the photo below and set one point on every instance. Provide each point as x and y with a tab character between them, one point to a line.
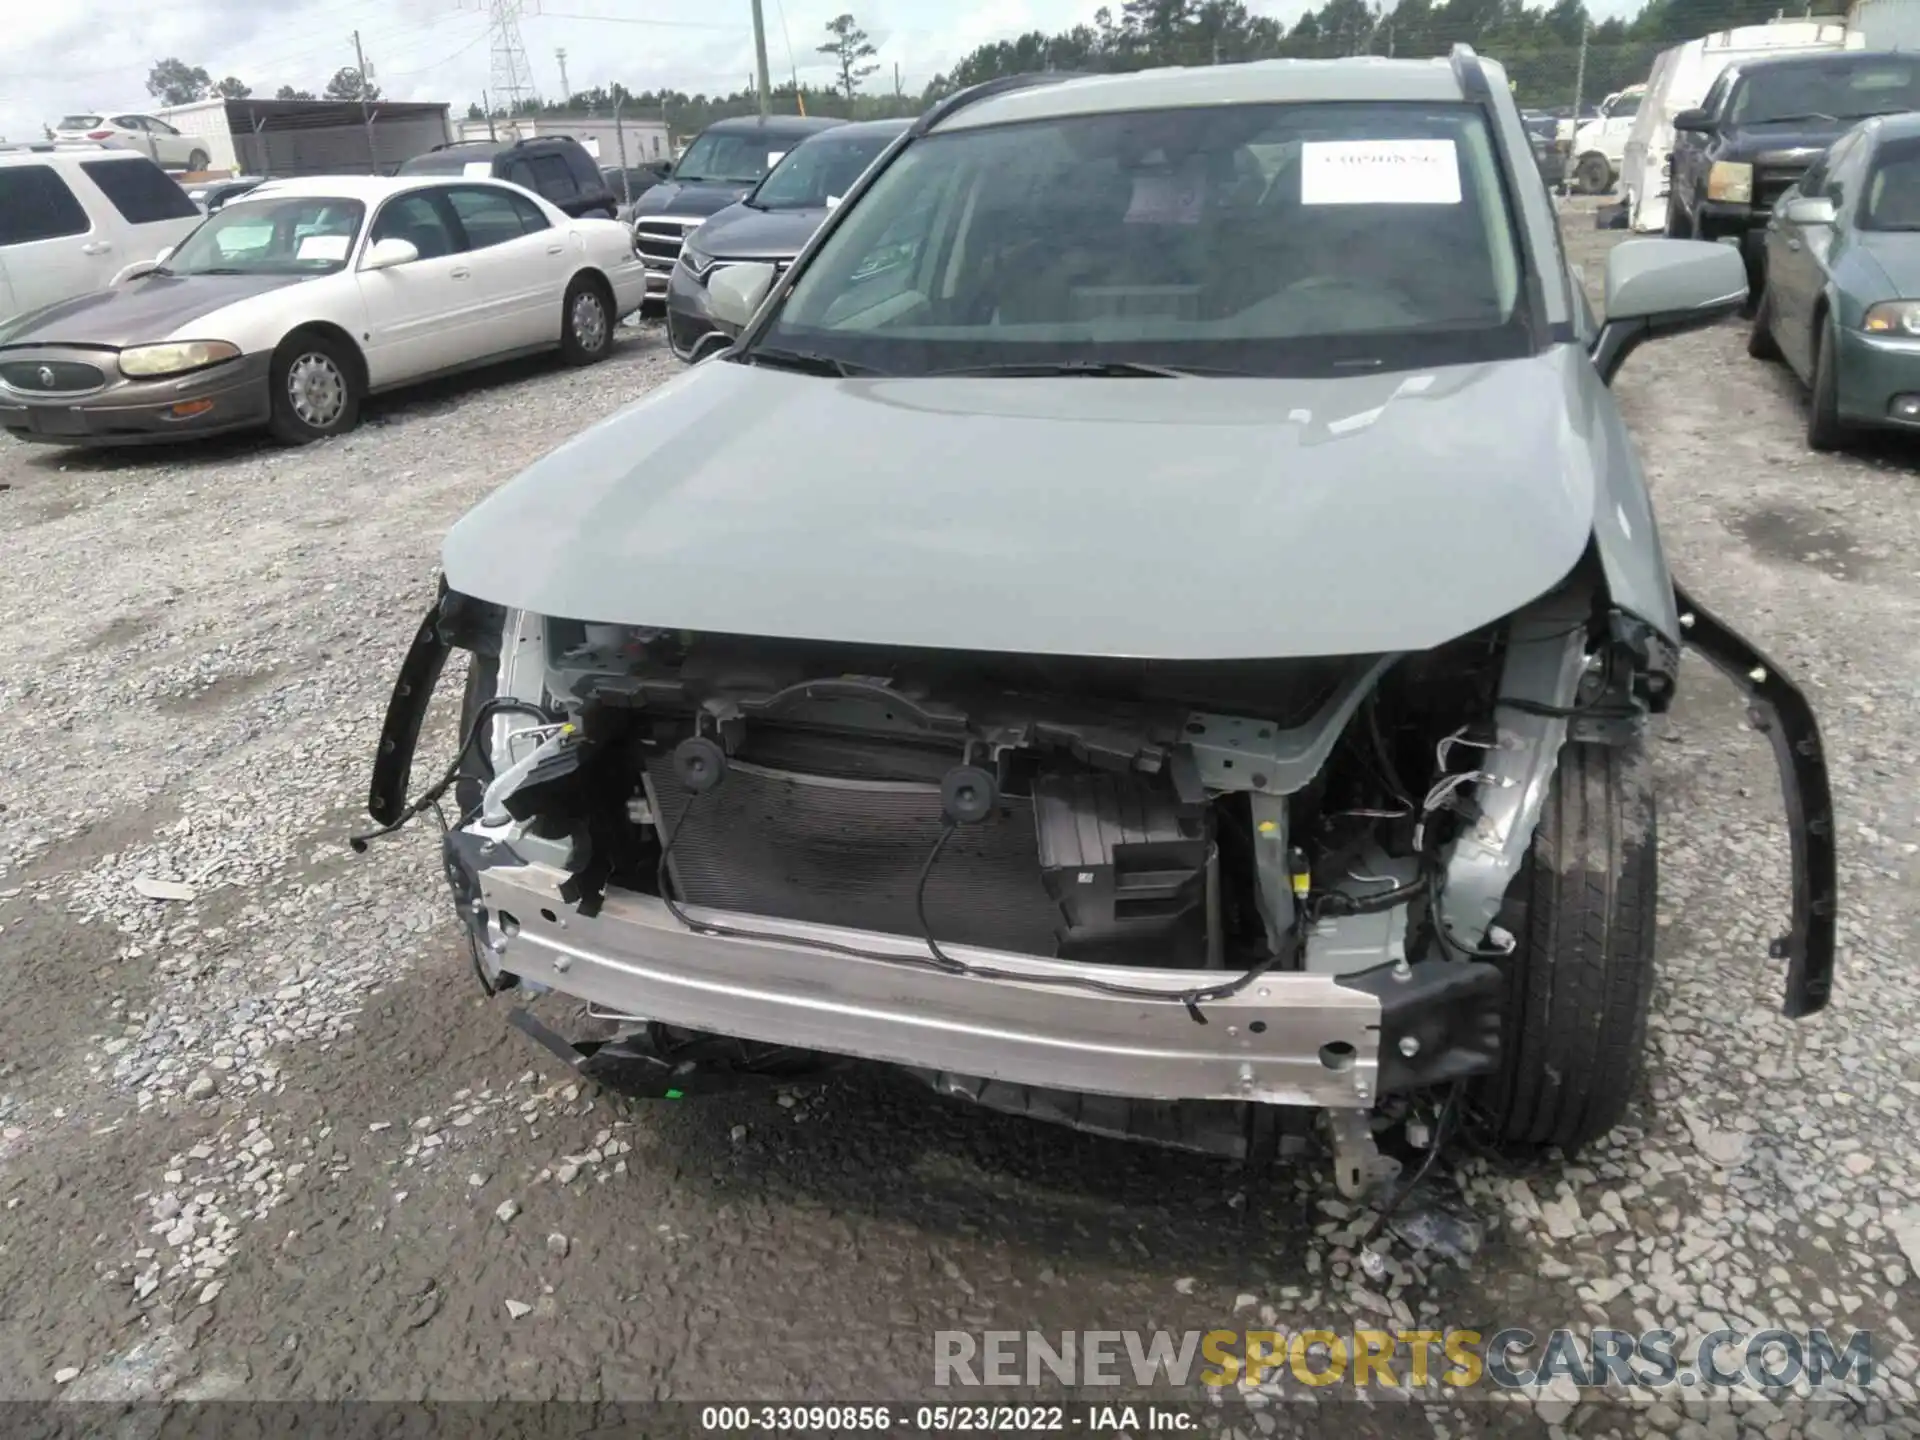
366	113
1579	84
566	92
487	105
896	80
760	60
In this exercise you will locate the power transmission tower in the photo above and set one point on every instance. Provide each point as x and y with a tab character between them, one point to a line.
566	92
512	76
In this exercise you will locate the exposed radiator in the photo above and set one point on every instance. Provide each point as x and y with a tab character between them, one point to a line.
848	852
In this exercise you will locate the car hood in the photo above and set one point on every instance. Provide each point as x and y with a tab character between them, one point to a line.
1800	143
149	309
1154	518
674	197
741	232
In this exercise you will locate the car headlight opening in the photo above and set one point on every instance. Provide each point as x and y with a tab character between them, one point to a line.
175	357
698	262
1893	317
1729	180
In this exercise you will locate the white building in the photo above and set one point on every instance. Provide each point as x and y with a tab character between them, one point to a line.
1886	24
630	140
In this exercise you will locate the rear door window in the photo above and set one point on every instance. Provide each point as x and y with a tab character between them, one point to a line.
532	218
552	178
140	191
488	216
35	204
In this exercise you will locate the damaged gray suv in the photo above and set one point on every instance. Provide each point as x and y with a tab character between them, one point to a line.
1151	625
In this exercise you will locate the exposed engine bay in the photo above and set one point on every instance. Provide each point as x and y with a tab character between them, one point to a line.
1099	890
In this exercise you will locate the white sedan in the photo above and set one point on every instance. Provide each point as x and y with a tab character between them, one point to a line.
289	305
148	134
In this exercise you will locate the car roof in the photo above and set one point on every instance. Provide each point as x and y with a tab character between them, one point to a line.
857	128
76	152
787	124
370	188
1820	60
1902	126
1364	77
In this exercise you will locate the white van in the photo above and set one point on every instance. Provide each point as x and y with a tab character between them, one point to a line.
1680	79
1600	145
73	218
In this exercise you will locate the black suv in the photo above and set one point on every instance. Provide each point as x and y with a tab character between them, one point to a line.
1760	126
557	168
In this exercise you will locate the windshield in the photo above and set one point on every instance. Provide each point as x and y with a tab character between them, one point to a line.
1269	239
740	157
822	169
309	235
78	122
1840	89
1891	200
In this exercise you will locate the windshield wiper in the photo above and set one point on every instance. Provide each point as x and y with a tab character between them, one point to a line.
1085	367
808	362
1790	119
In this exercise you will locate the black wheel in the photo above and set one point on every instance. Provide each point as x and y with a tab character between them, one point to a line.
1593	175
197	161
1825	429
1581	974
1760	342
586	318
315	384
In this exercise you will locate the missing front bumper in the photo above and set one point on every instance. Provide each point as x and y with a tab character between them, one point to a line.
1291	1039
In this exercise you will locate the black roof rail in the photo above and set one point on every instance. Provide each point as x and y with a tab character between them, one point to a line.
987	89
1469	72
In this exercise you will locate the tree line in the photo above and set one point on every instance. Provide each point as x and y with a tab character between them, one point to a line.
1540	45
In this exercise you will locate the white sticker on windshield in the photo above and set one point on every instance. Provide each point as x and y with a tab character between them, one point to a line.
481	168
1379	172
323	247
774	157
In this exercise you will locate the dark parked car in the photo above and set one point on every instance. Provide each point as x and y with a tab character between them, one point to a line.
630	184
1760	126
1843	261
1543	135
213	194
557	168
725	161
771	224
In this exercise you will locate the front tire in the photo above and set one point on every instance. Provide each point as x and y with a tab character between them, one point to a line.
586	317
1593	175
1825	429
197	162
315	386
1581	975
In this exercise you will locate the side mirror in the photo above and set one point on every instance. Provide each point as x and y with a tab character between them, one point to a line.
134	271
1665	287
1809	210
161	258
1694	122
735	292
385	254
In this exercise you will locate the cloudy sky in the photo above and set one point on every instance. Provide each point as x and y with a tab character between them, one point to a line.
75	55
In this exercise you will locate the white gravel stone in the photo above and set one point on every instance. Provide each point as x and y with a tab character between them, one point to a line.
506	1210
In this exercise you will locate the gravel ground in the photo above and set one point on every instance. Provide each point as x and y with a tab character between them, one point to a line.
269	1141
